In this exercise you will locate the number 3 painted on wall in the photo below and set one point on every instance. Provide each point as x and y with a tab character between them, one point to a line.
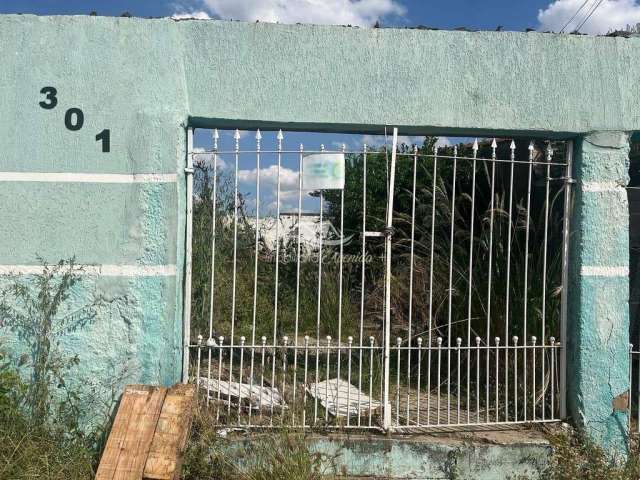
50	100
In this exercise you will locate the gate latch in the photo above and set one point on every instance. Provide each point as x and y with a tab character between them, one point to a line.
386	232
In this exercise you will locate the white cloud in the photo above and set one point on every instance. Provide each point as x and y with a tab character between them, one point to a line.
340	12
198	15
610	15
443	142
201	155
269	177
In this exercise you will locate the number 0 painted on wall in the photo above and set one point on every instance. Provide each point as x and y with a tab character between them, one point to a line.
74	119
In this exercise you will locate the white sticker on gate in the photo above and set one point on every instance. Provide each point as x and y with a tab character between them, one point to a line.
323	171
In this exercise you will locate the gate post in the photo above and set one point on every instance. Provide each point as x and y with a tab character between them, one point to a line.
598	320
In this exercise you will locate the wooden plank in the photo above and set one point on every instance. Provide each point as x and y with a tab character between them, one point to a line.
136	445
132	433
113	447
172	432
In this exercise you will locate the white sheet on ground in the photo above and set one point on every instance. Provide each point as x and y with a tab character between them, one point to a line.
255	395
341	398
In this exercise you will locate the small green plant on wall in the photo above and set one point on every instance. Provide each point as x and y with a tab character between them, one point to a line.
34	309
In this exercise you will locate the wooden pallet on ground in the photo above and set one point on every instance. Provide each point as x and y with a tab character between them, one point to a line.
149	434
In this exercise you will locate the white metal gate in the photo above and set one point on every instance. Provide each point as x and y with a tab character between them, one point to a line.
450	317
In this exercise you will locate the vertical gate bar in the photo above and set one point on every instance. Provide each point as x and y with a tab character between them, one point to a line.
197	375
449	318
411	254
236	137
565	278
533	375
470	281
349	345
285	344
399	354
515	378
526	278
340	267
279	138
315	400
630	399
210	344
186	314
439	343
478	341
214	199
554	349
297	312
263	348
240	370
255	274
433	227
418	381
364	252
544	274
371	344
387	307
497	379
491	215
214	206
220	342
306	370
458	347
637	396
326	383
512	157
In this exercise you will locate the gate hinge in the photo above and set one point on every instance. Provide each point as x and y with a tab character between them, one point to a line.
189	170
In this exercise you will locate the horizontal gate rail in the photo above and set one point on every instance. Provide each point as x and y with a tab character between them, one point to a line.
441	308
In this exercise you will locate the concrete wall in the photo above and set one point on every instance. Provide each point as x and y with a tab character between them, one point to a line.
146	80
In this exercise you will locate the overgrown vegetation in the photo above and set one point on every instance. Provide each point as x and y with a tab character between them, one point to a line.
48	424
30	450
576	457
279	456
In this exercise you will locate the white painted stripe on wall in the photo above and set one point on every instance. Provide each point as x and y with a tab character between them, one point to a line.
593	271
106	270
72	177
602	187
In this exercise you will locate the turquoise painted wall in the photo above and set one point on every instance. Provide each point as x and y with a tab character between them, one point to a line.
146	80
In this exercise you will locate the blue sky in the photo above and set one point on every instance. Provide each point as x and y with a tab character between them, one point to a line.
513	15
446	14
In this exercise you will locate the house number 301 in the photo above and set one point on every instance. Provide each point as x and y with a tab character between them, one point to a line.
73	117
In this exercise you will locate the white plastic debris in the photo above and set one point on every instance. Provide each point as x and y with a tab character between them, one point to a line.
341	398
254	396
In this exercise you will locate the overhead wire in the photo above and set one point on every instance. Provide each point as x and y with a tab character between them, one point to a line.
593	10
574	15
